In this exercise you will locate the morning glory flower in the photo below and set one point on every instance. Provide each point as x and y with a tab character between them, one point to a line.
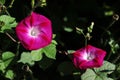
88	57
35	31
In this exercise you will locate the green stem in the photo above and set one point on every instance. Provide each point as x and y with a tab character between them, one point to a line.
35	5
109	55
83	35
7	12
114	19
76	73
10	37
116	59
11	4
85	41
32	3
18	46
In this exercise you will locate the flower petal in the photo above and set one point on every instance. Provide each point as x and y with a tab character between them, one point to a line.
80	57
36	22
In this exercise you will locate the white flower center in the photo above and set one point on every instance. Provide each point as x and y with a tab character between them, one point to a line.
34	32
89	56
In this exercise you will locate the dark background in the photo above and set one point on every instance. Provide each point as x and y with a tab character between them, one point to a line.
80	13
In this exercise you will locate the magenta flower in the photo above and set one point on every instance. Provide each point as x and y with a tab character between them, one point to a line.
34	31
88	57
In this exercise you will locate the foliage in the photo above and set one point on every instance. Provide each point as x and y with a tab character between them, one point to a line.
75	24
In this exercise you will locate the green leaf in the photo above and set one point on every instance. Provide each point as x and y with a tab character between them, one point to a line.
50	51
2	66
88	75
54	35
113	45
91	75
54	42
79	31
26	58
8	23
70	51
90	28
9	74
43	3
65	19
107	68
36	55
68	29
118	68
109	13
109	79
7	57
100	73
2	1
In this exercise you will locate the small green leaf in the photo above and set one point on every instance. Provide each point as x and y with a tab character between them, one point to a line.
9	74
109	13
90	28
2	66
9	23
65	19
7	57
109	79
54	35
2	1
107	68
113	45
54	42
70	51
79	31
68	29
118	68
43	3
26	58
36	55
50	51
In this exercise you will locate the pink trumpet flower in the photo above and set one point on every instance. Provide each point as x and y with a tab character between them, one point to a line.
34	32
88	57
